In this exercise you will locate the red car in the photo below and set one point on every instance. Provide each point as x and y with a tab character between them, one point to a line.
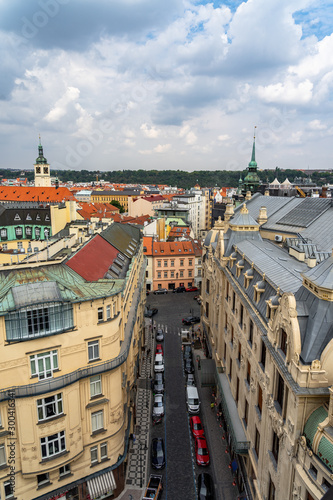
159	349
201	451
196	427
192	289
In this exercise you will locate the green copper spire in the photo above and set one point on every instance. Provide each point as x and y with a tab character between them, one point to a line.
251	180
40	160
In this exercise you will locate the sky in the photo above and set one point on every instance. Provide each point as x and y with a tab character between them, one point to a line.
176	84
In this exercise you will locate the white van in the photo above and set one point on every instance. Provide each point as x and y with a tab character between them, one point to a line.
192	400
159	363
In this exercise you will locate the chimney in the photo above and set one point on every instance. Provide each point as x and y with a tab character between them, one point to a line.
266	192
262	216
248	195
229	212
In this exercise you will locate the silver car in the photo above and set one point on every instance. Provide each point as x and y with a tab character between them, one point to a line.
158	406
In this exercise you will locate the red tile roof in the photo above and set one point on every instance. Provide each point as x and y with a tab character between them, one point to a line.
38	194
94	259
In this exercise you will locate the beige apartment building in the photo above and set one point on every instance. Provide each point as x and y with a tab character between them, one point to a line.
70	336
267	321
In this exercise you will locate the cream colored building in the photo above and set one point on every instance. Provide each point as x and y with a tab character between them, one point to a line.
69	359
267	318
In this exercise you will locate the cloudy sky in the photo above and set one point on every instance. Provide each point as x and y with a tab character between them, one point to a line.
166	84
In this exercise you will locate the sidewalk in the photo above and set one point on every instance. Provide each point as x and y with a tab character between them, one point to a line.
137	466
218	448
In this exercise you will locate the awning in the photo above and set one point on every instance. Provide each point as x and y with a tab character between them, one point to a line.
101	485
239	441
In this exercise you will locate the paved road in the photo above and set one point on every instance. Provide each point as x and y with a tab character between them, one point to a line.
181	471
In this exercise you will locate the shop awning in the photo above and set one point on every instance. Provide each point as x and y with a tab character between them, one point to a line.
101	485
240	443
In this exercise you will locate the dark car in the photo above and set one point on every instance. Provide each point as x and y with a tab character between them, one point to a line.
157	453
149	313
188	366
205	487
179	289
157	386
160	290
191	320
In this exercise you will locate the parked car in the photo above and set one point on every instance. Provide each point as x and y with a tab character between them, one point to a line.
159	349
157	384
158	406
205	487
179	289
190	380
157	453
159	363
201	451
159	335
187	352
188	366
196	427
149	313
192	289
191	320
160	291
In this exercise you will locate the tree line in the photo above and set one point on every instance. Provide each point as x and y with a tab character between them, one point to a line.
179	178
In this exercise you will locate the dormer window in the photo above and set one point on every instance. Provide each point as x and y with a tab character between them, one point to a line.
248	276
272	305
232	259
239	267
258	289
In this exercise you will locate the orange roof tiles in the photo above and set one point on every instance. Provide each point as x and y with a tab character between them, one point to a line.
31	193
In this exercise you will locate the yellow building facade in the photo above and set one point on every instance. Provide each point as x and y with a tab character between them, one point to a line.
69	358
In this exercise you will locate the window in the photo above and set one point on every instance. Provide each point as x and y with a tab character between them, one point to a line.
246	412
165	263
224	351
53	445
108	312
251	332
95	386
93	455
233	301
64	470
2	455
159	275
113	309
239	352
257	443
248	373
181	262
19	245
93	350
190	273
39	321
44	364
172	263
100	314
8	490
3	233
28	231
165	274
271	490
49	407
43	479
190	262
275	447
97	421
230	368
159	263
4	247
104	451
207	310
237	391
279	390
227	291
283	341
232	334
207	286
172	274
199	272
181	274
263	355
241	315
260	398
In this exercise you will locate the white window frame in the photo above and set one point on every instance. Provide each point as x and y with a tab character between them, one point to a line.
97	421
49	443
95	385
93	451
113	309
104	451
93	350
108	311
44	481
39	362
3	459
100	314
11	495
66	470
43	404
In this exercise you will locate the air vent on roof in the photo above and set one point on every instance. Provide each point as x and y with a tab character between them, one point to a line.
115	270
119	263
120	256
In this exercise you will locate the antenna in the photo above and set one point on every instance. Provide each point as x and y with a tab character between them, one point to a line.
254	132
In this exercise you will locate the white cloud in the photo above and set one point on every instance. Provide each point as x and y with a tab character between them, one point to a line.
287	93
162	148
60	107
316	125
223	137
149	131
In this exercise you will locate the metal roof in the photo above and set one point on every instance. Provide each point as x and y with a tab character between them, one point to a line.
33	293
322	274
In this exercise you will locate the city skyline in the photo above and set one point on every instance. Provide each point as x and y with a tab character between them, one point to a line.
143	84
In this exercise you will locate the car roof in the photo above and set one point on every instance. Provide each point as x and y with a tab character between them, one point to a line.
195	418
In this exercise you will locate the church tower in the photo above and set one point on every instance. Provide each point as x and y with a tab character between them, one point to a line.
251	181
42	169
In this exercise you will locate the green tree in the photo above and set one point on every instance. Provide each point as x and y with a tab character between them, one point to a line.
116	203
